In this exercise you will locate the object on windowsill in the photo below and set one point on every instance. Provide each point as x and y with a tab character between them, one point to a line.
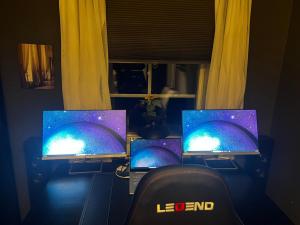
150	119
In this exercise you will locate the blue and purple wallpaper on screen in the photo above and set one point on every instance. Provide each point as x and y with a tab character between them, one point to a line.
84	132
219	130
146	153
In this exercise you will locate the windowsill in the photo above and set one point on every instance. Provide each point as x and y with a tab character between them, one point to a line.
117	95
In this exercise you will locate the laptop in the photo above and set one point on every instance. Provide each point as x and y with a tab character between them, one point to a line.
148	154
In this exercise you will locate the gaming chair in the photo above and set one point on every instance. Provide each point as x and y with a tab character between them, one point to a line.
177	195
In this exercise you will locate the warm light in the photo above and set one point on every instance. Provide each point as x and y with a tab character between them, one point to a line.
203	143
65	145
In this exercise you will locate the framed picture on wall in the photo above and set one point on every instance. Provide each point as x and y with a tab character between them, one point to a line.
36	66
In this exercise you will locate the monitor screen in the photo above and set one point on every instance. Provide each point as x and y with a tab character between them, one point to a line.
219	131
147	153
84	133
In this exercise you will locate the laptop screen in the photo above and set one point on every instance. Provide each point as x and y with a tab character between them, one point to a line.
71	134
146	154
219	131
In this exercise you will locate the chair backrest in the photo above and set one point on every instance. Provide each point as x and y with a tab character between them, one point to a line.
182	195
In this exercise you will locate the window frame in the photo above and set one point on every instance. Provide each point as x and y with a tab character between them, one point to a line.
149	80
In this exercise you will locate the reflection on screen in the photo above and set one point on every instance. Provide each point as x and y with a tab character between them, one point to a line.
75	133
155	153
220	131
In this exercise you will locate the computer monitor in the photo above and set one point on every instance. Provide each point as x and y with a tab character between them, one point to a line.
147	154
219	132
84	134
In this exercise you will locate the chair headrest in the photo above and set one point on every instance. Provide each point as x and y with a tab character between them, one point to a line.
182	195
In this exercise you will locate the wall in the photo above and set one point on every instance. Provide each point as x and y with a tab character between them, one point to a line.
37	21
268	35
284	183
31	21
8	194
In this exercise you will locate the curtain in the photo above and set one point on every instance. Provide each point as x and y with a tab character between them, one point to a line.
30	63
202	86
84	54
228	68
45	52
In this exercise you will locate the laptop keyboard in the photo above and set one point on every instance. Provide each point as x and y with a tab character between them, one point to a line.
134	180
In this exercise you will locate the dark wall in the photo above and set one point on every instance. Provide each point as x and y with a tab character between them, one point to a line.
9	210
268	35
284	183
31	21
37	21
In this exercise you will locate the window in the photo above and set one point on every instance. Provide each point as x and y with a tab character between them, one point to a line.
169	88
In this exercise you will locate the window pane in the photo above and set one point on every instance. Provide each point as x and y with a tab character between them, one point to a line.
174	110
180	78
131	105
170	111
159	77
128	78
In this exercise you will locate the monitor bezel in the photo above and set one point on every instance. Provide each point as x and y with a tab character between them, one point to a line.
98	156
211	153
145	169
218	153
88	156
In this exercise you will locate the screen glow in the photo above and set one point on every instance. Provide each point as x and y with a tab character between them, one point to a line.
146	153
77	133
65	145
202	143
219	131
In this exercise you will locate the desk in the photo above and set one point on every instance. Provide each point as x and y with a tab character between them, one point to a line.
103	199
99	199
85	199
108	201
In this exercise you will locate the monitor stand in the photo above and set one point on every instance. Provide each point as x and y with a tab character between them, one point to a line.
221	163
194	160
84	166
214	162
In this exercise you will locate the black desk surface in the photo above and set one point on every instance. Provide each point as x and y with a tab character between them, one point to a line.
108	201
103	199
87	199
99	199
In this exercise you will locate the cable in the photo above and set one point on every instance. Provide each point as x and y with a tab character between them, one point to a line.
122	171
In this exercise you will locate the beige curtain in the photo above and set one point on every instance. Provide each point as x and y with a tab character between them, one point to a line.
228	68
45	52
30	62
84	54
202	86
